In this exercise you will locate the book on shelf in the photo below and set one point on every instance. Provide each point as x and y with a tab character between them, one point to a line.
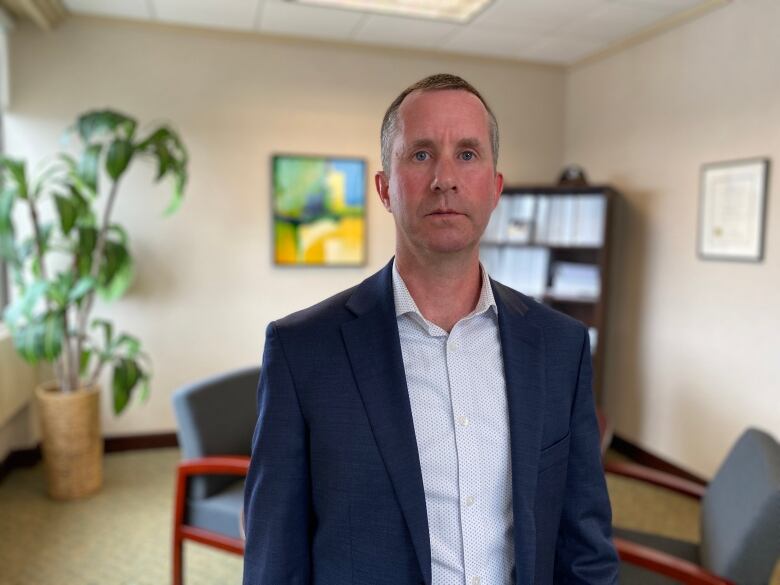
523	269
593	337
570	220
573	280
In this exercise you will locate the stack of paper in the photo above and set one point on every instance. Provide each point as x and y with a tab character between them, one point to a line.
574	280
523	269
571	220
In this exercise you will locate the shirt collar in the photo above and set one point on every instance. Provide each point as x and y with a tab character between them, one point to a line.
404	303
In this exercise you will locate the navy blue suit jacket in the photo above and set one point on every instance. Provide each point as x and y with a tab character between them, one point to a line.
335	494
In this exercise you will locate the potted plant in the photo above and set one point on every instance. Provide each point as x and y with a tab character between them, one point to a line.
59	266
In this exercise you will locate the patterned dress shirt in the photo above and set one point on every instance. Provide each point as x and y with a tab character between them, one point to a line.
457	392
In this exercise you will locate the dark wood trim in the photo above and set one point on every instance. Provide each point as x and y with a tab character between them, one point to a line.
139	442
19	459
638	455
655	477
31	457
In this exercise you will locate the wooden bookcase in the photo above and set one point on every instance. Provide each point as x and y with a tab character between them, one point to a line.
554	246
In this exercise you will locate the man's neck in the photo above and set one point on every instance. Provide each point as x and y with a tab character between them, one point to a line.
445	291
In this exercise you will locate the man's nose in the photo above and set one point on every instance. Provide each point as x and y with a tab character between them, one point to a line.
444	176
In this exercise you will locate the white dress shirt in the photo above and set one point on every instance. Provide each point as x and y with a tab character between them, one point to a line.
457	392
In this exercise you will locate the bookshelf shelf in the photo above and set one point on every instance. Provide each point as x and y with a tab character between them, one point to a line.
552	243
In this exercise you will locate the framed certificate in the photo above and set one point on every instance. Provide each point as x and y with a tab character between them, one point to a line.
732	210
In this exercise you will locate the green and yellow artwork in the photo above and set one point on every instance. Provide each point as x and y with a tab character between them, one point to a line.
319	208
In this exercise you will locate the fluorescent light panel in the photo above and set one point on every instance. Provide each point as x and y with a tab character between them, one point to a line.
448	10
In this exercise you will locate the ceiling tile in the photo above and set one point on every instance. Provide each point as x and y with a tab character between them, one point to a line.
563	51
669	6
538	15
407	32
137	9
286	18
497	43
235	14
611	23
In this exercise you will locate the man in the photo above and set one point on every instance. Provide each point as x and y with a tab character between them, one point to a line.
429	425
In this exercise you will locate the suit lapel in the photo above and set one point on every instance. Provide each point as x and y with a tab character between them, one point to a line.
522	346
374	351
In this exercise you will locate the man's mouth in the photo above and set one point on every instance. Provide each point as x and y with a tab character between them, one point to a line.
445	212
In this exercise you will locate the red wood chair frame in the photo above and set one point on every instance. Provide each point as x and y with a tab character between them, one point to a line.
223	465
650	558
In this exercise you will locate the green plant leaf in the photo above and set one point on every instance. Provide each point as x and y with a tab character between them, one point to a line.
126	376
82	287
86	355
68	212
119	231
85	249
166	147
145	390
119	154
116	273
17	175
132	343
93	124
25	304
40	340
7	245
88	168
108	331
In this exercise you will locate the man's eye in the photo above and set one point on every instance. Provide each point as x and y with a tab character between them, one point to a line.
467	155
422	155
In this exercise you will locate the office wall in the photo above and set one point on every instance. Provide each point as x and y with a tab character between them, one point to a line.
694	348
205	286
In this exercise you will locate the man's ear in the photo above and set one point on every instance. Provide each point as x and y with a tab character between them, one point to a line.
383	189
499	186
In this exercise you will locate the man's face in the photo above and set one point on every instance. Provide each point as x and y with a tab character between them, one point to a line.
442	185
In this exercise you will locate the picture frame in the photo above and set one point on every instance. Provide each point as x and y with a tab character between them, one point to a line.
318	210
732	210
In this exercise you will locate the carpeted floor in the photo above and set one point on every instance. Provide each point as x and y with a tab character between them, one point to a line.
122	535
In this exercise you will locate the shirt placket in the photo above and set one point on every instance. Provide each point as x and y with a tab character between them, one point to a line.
468	456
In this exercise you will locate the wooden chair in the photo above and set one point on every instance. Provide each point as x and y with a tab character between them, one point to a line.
216	419
740	522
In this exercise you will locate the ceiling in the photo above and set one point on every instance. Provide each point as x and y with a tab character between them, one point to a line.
547	31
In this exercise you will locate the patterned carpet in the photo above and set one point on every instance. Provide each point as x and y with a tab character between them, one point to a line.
122	535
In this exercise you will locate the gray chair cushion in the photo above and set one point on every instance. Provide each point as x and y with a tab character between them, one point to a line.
633	575
740	519
217	416
219	513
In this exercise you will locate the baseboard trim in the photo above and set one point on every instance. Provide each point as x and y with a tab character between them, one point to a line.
31	457
638	455
138	442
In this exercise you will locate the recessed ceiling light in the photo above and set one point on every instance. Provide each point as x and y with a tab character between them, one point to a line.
450	10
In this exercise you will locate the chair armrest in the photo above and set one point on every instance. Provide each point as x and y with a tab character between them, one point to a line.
665	564
659	478
222	465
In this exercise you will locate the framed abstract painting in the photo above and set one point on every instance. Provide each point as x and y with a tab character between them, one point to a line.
319	210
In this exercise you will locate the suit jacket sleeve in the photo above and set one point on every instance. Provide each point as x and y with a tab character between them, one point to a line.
584	551
277	499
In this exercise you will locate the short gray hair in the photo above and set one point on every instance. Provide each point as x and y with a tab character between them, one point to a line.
439	81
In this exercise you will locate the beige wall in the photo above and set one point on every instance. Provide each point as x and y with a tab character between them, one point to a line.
205	286
694	348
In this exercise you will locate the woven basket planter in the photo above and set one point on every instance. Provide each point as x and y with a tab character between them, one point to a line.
72	442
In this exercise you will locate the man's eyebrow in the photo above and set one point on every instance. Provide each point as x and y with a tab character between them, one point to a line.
474	143
419	143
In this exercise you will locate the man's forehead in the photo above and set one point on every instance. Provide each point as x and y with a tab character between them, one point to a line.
428	110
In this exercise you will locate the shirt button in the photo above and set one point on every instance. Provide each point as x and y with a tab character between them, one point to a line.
463	421
470	501
453	345
475	580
